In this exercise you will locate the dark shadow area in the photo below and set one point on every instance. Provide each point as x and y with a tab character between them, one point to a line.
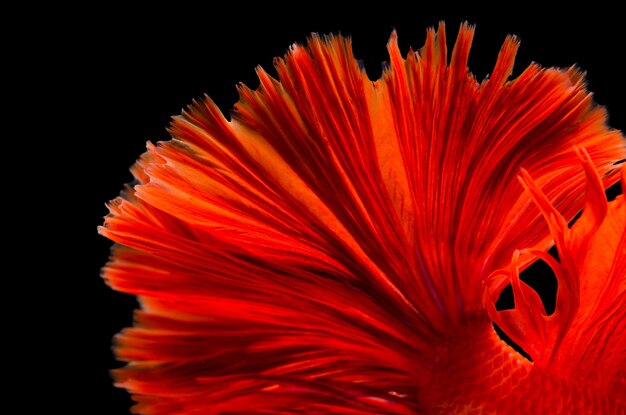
540	277
510	342
614	191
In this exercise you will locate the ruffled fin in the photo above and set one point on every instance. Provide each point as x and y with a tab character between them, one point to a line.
312	249
586	334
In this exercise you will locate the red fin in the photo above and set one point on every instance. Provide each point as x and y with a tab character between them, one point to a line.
462	145
586	335
310	251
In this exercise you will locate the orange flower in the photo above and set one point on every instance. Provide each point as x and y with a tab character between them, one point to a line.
337	247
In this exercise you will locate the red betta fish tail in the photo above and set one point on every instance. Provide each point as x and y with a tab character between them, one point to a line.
313	254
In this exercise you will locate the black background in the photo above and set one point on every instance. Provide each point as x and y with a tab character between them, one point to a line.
133	71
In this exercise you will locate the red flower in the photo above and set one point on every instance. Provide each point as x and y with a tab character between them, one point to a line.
337	246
